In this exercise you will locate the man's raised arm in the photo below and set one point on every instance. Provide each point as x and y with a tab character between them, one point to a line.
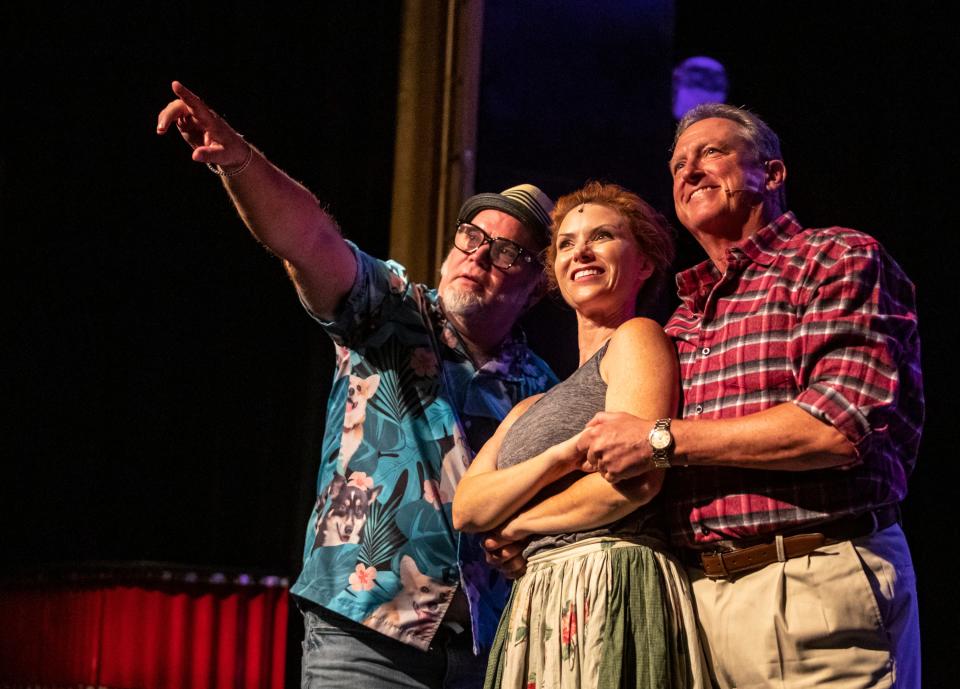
280	212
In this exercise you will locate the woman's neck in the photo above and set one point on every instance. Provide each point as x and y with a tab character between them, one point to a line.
592	334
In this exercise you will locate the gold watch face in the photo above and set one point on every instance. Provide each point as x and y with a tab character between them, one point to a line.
660	439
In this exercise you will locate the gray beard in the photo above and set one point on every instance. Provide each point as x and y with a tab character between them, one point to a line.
467	306
462	304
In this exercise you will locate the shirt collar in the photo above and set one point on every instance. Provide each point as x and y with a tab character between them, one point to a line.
508	364
762	247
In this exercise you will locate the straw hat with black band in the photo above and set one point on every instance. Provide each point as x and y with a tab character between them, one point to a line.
525	202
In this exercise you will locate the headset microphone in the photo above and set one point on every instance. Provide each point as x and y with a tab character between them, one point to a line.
731	192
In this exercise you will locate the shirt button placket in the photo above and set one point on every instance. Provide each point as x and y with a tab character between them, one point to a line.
704	352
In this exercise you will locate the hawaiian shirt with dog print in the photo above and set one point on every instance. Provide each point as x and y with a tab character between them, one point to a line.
406	407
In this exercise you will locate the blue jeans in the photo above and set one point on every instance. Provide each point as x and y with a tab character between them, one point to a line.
338	652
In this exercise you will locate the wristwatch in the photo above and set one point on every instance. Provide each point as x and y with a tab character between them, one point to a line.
661	442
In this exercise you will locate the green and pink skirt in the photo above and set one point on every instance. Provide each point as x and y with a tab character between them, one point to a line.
601	613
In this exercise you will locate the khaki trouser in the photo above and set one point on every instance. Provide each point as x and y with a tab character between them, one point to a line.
844	616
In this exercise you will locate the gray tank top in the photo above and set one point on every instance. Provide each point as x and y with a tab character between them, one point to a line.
560	414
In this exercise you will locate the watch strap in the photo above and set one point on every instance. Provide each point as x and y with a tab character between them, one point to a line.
662	456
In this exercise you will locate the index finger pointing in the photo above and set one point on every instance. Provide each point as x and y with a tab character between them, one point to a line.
188	96
199	109
203	113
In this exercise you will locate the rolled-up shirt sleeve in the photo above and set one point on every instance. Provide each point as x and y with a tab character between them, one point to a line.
380	289
856	352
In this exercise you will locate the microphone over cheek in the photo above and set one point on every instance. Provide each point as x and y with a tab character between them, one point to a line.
731	192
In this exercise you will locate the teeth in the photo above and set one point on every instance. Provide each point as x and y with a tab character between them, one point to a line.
585	272
698	191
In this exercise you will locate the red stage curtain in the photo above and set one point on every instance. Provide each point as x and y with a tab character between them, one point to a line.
172	630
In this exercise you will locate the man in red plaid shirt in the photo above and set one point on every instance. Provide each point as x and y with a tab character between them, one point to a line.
802	412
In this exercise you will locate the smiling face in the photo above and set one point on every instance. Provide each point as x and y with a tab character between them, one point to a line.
471	285
720	186
599	266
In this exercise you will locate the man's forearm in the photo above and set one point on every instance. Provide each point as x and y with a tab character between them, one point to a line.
279	211
287	218
784	438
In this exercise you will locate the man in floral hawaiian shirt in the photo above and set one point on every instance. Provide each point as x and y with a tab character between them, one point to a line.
392	595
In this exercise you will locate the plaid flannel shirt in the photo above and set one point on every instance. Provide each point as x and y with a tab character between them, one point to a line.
821	318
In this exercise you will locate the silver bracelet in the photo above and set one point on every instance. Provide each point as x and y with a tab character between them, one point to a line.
217	170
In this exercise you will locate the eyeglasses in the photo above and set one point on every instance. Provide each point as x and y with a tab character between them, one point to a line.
503	252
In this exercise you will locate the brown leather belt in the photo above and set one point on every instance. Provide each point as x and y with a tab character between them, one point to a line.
737	560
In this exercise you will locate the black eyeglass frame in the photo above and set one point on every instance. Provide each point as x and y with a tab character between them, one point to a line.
495	249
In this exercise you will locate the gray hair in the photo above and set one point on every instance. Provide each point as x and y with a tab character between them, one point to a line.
762	140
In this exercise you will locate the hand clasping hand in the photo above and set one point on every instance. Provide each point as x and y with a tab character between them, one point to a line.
616	445
505	554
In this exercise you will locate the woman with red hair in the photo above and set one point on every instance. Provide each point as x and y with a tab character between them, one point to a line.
601	603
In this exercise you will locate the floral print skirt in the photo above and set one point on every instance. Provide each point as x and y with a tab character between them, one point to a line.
603	612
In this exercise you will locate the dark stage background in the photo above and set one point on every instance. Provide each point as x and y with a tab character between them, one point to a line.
165	389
